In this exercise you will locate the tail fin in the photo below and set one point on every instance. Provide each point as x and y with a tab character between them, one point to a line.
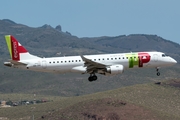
16	50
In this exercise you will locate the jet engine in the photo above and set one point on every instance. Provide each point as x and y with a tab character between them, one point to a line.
81	69
115	69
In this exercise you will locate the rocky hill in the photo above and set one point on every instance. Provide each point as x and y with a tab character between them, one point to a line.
47	40
159	101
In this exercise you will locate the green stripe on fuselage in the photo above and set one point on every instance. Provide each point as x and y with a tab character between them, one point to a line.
8	41
133	59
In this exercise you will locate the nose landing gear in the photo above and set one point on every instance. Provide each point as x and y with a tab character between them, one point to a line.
158	73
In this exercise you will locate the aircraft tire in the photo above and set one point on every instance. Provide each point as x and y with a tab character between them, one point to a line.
94	78
158	73
90	79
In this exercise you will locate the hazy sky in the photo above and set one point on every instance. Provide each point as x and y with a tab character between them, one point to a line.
94	18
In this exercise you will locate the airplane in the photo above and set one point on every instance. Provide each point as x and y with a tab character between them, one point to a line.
105	64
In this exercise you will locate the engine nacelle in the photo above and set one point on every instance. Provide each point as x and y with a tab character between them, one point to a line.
80	69
115	69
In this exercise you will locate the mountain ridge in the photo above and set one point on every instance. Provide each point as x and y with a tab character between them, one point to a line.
48	42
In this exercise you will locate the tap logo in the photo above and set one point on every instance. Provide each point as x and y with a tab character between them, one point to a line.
15	50
138	59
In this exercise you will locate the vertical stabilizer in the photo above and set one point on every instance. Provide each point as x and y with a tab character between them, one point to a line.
16	50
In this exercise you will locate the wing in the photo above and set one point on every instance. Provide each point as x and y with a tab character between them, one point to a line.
93	66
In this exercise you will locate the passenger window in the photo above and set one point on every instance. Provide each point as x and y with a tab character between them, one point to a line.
61	61
115	58
50	62
99	59
107	58
79	60
111	58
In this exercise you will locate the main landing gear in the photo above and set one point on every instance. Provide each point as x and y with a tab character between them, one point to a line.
92	77
158	73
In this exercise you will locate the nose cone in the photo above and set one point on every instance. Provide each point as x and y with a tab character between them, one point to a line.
170	61
173	61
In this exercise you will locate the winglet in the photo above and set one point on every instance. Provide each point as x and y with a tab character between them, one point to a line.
83	58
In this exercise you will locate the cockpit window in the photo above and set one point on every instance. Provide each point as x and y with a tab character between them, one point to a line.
164	55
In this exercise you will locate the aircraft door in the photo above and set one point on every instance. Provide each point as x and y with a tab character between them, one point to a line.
44	65
155	56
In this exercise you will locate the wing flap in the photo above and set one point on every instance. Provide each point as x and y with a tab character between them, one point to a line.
91	65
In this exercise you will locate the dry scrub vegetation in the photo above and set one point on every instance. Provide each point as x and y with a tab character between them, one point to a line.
144	101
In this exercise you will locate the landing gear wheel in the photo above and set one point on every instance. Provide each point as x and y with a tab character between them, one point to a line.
158	73
92	78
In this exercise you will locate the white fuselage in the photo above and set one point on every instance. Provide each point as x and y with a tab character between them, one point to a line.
76	63
105	64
